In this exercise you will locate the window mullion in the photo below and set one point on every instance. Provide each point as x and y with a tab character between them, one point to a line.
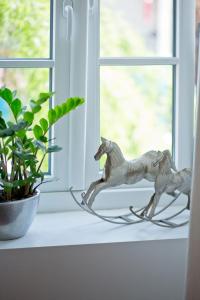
184	108
93	88
77	130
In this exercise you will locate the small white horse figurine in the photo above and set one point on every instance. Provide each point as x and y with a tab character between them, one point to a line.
119	171
168	182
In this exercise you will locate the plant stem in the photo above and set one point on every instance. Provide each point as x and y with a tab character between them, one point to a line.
13	162
5	159
42	160
38	169
3	163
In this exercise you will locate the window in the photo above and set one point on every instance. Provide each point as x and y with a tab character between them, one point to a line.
141	79
30	63
130	59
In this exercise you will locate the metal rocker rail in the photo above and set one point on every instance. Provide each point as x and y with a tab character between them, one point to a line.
126	219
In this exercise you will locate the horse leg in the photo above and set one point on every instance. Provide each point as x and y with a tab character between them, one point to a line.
155	201
148	206
188	203
99	187
91	188
173	194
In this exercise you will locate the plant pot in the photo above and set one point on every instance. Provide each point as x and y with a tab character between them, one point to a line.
17	216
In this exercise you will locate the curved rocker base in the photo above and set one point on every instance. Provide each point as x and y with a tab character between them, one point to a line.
127	219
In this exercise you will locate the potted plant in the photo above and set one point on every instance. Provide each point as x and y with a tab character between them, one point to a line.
24	145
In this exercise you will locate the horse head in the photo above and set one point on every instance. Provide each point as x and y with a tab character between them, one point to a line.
105	147
165	156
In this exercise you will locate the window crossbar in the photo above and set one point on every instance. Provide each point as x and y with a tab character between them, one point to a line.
130	61
27	63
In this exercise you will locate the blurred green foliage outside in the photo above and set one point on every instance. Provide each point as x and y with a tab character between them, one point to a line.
135	102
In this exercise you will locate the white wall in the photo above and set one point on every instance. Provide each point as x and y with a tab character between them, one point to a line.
150	270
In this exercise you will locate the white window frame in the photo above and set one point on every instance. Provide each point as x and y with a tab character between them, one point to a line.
68	67
59	64
84	124
183	62
75	64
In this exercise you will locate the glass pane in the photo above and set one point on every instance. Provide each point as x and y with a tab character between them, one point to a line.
24	29
136	27
28	83
136	108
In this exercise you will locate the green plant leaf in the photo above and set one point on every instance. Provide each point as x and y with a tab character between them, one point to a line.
6	132
53	148
18	145
35	107
5	150
6	95
21	133
38	175
29	145
12	129
59	111
79	101
29	117
2	123
43	139
64	109
44	124
38	132
20	125
43	97
52	116
40	145
73	103
24	155
70	104
16	107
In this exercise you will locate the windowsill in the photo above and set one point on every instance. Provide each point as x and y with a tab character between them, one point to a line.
80	228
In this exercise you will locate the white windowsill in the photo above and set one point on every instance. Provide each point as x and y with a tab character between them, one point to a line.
80	228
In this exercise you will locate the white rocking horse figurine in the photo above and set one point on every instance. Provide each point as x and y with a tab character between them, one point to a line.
168	182
118	170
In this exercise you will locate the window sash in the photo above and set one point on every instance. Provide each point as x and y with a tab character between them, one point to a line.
83	124
58	64
183	64
75	68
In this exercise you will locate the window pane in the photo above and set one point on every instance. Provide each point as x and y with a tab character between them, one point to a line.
28	83
24	29
136	108
136	27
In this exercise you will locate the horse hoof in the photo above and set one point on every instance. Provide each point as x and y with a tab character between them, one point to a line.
150	216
